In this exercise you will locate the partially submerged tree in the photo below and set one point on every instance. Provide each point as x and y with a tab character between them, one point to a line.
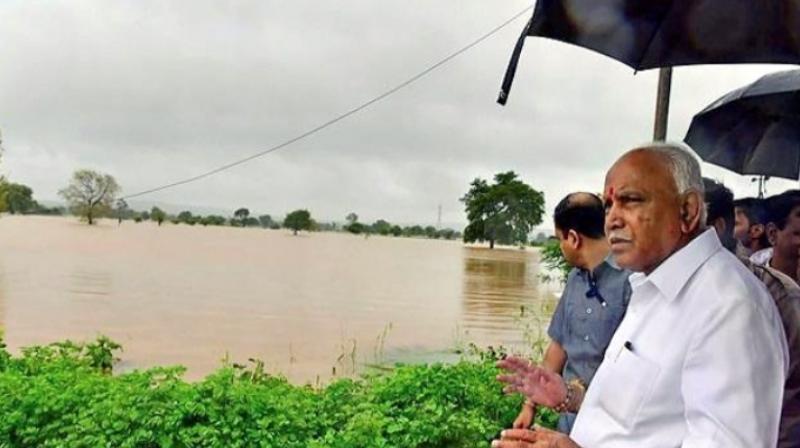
382	227
240	216
122	210
158	215
186	217
265	221
17	198
503	212
298	220
90	194
353	226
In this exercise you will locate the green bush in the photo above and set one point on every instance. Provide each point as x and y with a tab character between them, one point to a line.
553	260
63	395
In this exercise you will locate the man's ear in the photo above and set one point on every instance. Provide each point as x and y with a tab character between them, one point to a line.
690	212
574	239
772	233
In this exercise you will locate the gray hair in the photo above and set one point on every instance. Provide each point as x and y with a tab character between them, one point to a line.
684	167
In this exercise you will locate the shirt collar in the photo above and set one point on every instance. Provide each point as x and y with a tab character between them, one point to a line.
607	263
672	275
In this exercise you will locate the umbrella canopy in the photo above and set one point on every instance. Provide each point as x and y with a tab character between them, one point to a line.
664	33
754	129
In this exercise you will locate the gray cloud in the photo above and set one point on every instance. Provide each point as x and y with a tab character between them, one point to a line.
155	91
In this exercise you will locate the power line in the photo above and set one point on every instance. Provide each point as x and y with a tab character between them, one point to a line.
341	117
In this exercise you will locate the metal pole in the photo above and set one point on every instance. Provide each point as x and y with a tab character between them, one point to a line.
662	104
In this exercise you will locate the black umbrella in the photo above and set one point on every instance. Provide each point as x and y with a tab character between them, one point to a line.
754	129
664	33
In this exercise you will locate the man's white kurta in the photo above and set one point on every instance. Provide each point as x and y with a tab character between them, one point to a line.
698	361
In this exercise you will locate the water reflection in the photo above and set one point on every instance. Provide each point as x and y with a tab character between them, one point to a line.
499	286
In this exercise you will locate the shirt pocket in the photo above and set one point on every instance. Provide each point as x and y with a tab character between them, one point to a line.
629	383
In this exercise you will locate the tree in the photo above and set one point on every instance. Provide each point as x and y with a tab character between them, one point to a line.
415	230
122	210
17	198
298	220
241	216
158	215
265	221
503	212
396	230
214	220
447	234
186	217
382	227
353	226
431	232
90	194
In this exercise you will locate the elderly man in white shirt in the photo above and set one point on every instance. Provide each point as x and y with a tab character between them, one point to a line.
700	358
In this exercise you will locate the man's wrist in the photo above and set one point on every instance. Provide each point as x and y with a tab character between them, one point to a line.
573	398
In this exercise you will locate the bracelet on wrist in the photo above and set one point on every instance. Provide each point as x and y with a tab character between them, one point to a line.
564	405
570	401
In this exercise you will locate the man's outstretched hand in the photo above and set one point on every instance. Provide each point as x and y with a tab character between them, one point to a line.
539	385
538	438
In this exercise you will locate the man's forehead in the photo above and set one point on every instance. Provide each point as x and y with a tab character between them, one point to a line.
638	171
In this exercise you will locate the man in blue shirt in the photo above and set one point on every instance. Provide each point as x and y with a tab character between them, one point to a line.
593	302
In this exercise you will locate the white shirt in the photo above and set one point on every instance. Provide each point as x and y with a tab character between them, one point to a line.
762	257
707	361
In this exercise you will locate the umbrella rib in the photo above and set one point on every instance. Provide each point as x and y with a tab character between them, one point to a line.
653	36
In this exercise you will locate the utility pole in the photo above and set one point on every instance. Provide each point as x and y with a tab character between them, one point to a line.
662	104
439	219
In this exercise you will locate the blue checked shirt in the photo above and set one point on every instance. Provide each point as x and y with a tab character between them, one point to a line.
589	311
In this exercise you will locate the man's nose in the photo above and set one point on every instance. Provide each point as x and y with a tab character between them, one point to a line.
613	219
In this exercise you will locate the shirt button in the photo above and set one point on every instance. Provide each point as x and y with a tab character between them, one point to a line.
586	338
588	311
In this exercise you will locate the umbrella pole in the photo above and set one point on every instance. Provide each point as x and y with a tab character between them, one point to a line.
662	104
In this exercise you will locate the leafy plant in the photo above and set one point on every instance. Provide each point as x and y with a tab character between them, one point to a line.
553	260
61	395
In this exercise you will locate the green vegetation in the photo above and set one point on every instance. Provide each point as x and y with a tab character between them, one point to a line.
63	395
242	218
158	215
553	260
298	220
385	228
17	198
90	194
503	212
213	220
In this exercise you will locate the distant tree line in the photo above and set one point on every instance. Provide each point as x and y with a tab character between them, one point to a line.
385	228
91	195
295	221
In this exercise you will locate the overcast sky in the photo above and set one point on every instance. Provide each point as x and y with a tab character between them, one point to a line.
156	91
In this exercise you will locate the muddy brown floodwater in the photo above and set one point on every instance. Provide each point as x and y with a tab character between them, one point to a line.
306	304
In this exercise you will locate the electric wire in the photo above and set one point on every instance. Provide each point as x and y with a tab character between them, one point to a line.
338	118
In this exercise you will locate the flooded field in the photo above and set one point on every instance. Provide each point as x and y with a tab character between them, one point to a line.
307	305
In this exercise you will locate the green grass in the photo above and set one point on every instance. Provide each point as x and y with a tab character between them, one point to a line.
63	395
